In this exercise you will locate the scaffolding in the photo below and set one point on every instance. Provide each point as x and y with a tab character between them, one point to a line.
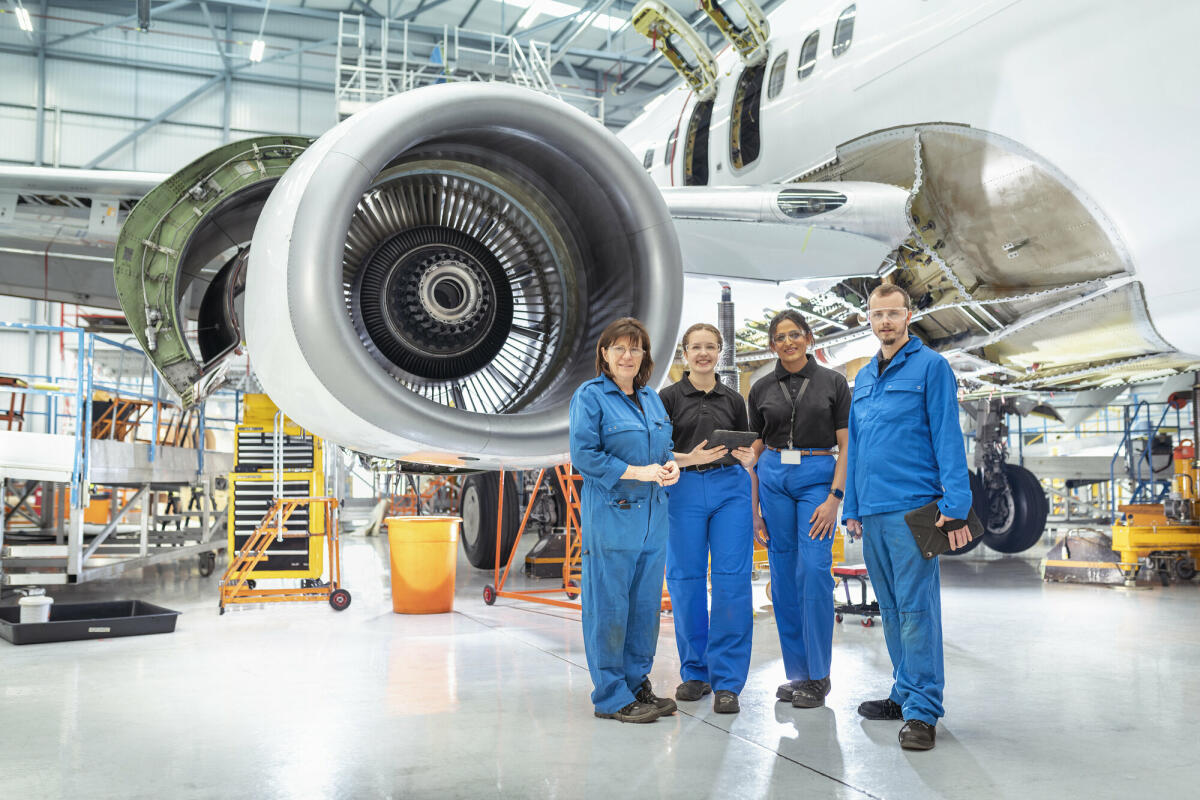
399	60
100	489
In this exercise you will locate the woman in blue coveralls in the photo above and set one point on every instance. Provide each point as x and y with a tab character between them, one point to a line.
710	512
621	444
801	411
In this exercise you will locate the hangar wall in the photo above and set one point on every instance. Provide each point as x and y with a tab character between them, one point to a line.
102	85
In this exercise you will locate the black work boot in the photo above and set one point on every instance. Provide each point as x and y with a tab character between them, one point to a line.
881	709
811	694
692	690
917	735
725	702
786	690
634	712
645	694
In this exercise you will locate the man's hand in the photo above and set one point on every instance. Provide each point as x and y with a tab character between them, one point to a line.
760	529
959	537
705	455
746	456
669	473
824	519
854	528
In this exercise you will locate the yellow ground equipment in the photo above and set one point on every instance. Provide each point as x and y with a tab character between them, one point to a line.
264	440
1166	535
1162	537
238	587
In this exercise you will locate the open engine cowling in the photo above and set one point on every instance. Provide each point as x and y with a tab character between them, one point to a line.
429	279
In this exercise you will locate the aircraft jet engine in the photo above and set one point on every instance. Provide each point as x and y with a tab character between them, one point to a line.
428	280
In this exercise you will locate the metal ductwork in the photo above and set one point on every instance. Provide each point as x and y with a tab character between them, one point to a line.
429	279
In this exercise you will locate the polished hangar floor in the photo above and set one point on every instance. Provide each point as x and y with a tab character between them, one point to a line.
1052	691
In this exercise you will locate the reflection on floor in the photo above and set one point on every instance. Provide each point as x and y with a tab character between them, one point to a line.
1052	691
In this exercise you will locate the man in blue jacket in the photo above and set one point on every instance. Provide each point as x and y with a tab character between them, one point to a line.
906	450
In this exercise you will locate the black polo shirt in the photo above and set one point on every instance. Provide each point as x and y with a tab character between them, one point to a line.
824	409
695	414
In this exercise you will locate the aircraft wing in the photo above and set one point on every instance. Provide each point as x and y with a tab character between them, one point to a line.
781	232
58	228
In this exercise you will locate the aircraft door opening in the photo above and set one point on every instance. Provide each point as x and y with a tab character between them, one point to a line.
695	145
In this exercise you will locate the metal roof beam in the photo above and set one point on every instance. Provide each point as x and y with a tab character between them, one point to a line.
216	37
117	23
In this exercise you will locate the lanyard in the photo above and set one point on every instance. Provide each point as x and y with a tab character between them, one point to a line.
788	396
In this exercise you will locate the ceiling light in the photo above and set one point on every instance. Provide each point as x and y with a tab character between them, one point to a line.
256	50
23	20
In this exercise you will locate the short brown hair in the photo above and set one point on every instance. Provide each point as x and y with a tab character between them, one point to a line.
625	328
703	326
885	289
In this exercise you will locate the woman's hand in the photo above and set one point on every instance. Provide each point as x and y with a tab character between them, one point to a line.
824	519
761	535
668	474
705	455
746	456
651	473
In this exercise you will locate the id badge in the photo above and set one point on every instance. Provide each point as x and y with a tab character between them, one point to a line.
789	456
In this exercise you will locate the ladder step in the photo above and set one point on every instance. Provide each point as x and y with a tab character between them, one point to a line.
34	578
34	551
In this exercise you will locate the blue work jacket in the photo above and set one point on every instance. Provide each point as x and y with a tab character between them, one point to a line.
906	446
608	434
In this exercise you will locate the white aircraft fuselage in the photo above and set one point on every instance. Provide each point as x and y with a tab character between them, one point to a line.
1087	88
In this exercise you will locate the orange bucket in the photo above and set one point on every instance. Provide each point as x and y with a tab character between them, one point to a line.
423	554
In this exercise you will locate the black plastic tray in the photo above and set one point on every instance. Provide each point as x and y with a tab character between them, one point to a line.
72	621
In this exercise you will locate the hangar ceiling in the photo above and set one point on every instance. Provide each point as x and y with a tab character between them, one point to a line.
593	48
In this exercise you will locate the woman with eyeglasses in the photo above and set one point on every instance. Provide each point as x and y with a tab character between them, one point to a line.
710	515
621	444
801	412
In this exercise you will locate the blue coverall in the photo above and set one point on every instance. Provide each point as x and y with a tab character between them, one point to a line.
906	450
801	583
711	511
624	534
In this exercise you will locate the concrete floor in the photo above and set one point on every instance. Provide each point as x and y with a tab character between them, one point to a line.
1052	691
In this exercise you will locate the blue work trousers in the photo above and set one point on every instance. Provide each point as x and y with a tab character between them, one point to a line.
622	603
908	588
710	513
801	582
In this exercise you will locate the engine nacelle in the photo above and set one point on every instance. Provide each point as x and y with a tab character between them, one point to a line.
428	280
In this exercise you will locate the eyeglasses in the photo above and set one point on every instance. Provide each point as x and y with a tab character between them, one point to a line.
619	350
703	347
891	314
793	336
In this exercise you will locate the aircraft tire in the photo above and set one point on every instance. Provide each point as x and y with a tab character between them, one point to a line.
478	502
1025	525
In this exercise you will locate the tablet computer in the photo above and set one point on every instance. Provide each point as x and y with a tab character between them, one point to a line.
732	439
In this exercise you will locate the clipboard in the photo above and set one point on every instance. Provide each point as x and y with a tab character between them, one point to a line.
732	440
932	540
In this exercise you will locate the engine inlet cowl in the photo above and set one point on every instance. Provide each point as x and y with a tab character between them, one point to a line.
429	280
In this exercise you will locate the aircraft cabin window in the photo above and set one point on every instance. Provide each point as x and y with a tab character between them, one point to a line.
778	71
669	156
843	34
695	146
648	160
808	56
744	141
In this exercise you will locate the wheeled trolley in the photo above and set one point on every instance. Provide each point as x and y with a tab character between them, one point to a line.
868	611
236	585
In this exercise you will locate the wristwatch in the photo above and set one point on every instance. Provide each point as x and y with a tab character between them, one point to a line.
838	493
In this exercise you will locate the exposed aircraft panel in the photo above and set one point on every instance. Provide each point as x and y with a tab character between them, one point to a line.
1113	326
